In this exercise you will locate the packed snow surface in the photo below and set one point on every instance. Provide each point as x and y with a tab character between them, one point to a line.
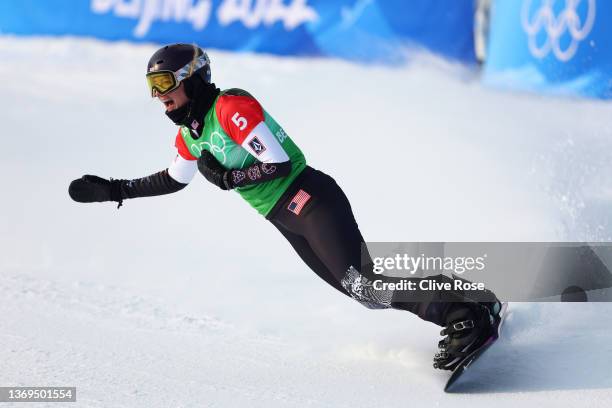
194	300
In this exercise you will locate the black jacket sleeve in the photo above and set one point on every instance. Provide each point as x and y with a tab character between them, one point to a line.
156	184
258	172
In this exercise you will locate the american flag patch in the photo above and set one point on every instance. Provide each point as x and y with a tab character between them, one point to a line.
298	202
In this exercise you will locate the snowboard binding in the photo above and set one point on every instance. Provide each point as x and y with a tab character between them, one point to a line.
469	326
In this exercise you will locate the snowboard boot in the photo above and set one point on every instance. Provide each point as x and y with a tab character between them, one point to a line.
469	325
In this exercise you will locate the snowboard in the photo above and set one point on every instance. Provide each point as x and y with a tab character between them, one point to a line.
476	354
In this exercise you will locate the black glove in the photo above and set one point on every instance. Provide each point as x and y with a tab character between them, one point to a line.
213	171
91	189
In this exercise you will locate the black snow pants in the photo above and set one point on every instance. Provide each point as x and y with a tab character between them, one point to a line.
316	218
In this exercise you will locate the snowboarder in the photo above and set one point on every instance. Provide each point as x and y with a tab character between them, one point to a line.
236	145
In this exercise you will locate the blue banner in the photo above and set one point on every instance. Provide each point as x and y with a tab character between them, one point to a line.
554	46
364	30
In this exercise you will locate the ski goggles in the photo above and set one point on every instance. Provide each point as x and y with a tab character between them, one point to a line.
163	82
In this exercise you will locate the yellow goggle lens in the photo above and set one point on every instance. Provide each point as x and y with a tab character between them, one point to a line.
162	82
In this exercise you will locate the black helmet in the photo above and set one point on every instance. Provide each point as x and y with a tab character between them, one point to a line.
173	63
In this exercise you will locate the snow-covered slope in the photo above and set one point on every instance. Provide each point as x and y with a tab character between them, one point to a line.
146	307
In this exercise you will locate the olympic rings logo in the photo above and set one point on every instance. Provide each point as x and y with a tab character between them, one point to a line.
556	26
216	146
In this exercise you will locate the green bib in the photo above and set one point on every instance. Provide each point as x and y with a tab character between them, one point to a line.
262	196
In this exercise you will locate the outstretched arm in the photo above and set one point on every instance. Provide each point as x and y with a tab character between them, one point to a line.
159	183
90	188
